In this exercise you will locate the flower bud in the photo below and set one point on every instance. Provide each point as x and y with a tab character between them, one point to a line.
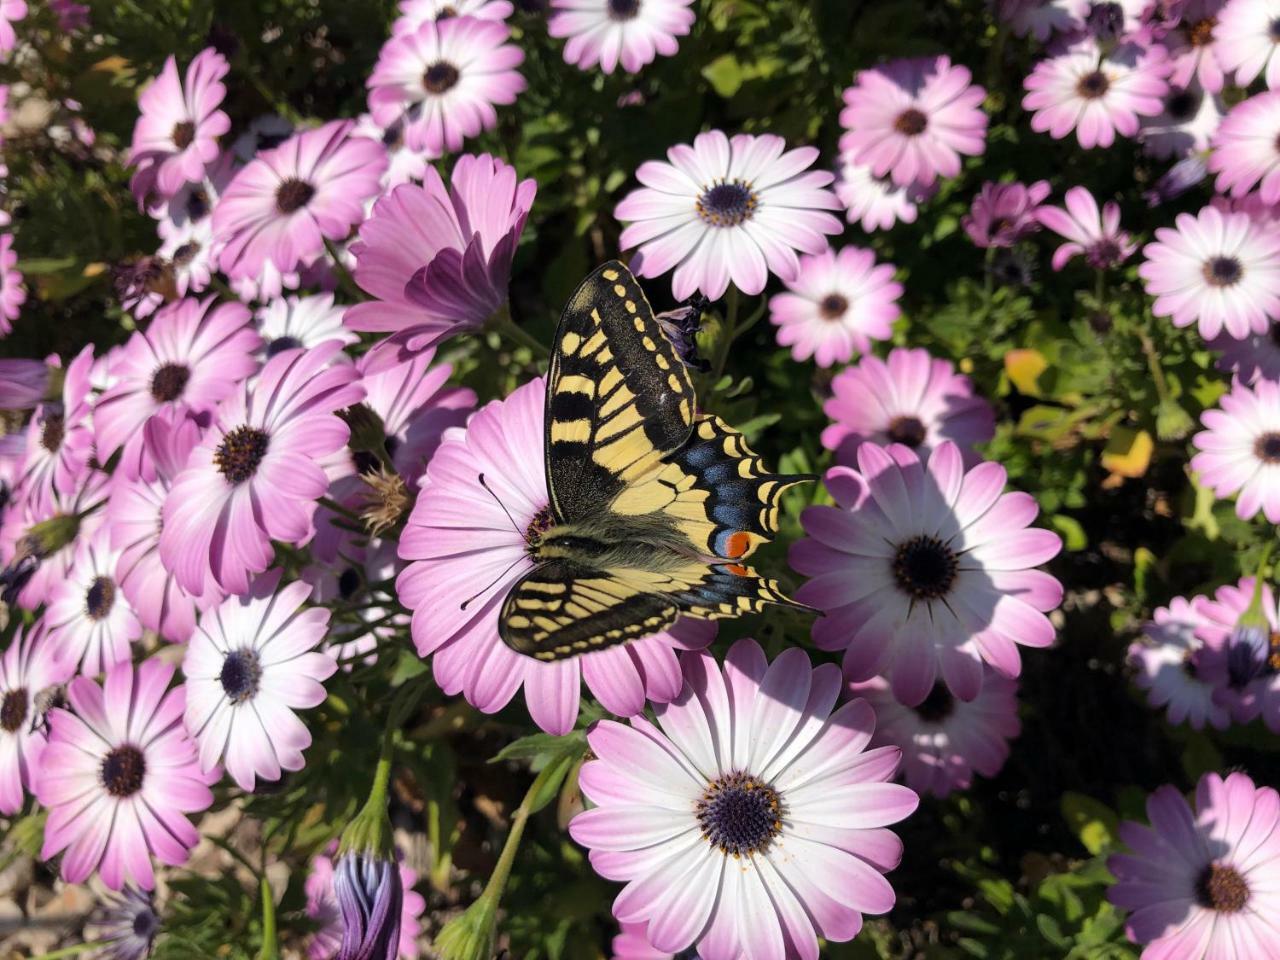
371	897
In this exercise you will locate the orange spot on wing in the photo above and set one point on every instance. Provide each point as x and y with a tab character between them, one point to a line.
737	544
738	570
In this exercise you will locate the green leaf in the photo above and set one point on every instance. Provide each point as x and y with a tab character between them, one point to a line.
1071	531
725	75
1092	821
542	746
40	265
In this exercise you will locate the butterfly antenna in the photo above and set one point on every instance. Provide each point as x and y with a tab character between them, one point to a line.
470	599
514	526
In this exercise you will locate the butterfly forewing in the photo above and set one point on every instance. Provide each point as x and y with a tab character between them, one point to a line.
618	397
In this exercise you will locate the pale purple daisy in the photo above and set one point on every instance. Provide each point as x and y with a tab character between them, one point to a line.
876	203
727	210
443	81
465	555
1240	660
30	668
252	662
1240	449
438	258
923	569
191	357
192	254
12	292
60	438
404	164
347	581
1041	18
751	819
11	11
324	912
836	305
125	924
1256	357
89	618
1186	123
284	204
1219	270
256	475
119	776
1096	92
1092	233
1004	213
613	32
1195	46
23	383
286	323
1202	884
909	398
631	943
943	740
176	137
1246	37
1166	664
1246	148
912	120
134	515
414	13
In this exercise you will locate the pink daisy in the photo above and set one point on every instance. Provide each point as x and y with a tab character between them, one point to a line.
12	292
1195	46
134	515
176	136
911	120
836	305
1202	884
119	776
1246	148
944	741
290	322
1240	449
324	912
23	383
612	32
1256	357
414	13
284	204
251	663
1245	39
255	478
727	210
30	667
191	357
1004	213
751	819
1041	18
876	203
911	398
460	540
1167	665
11	11
443	80
1095	234
89	618
60	438
1097	93
922	568
1218	269
1237	659
437	257
1185	125
631	943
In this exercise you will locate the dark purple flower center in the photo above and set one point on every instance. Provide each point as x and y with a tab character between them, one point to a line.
624	9
1200	33
240	452
1181	104
293	194
13	709
146	924
169	381
925	567
1274	333
282	343
727	204
100	597
440	77
937	706
446	13
123	770
184	134
739	814
348	583
197	205
906	430
240	674
1105	20
833	306
542	521
1221	888
1105	253
1093	85
185	253
1273	30
1267	447
911	122
1190	665
52	432
1222	271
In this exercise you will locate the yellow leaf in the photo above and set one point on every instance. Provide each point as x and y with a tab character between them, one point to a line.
1024	368
1128	452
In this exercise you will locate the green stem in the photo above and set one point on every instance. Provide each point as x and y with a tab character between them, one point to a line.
223	288
270	946
988	278
335	507
347	281
502	323
71	951
281	107
1100	289
728	332
1153	364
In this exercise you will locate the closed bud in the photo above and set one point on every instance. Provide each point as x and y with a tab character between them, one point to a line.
370	895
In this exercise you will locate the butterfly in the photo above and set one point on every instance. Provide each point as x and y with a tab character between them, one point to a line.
653	506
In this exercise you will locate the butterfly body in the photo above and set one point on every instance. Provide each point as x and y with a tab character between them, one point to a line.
652	505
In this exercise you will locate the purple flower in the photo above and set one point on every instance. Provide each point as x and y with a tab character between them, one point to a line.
612	32
22	383
12	293
1095	234
1004	213
371	896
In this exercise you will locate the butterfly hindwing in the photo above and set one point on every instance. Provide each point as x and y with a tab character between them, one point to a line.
618	397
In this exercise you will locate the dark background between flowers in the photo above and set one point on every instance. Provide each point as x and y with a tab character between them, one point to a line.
1008	869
